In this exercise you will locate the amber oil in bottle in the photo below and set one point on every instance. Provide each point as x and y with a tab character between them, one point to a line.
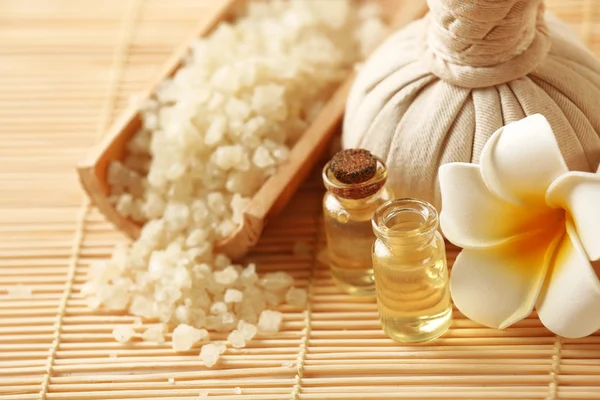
355	182
411	275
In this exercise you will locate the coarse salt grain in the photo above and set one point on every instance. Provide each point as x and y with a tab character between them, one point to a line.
276	281
296	297
269	321
184	337
248	330
233	296
209	354
236	338
227	276
237	390
221	346
154	334
218	308
123	334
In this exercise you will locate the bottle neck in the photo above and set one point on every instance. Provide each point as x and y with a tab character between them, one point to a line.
406	223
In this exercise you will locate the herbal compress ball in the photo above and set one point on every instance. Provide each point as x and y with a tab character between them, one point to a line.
435	91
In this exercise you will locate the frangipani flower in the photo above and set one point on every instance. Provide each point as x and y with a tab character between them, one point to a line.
530	232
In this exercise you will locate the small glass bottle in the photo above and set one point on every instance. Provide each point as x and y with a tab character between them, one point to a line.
355	182
411	275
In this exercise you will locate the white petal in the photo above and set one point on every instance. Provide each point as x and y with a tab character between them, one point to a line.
569	304
499	286
520	161
579	194
472	216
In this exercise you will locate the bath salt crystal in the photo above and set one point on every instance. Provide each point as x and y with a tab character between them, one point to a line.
150	123
221	346
171	381
227	276
269	321
142	306
200	253
200	211
124	205
116	296
209	354
218	307
268	100
237	390
154	334
236	338
203	394
19	291
238	205
196	237
113	355
216	202
262	157
182	314
254	127
122	333
118	174
228	321
228	157
221	261
226	228
247	330
288	364
274	298
276	281
181	277
184	337
176	216
237	109
233	296
296	297
281	153
248	276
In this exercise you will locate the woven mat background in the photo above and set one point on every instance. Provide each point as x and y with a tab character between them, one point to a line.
67	68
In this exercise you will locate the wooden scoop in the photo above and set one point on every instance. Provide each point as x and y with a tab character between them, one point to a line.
278	189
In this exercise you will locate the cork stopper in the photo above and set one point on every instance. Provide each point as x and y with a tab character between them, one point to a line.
353	166
356	172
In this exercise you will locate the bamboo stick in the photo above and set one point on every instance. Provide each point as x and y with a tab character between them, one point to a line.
48	119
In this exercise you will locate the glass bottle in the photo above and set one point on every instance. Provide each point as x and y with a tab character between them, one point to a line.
355	182
411	275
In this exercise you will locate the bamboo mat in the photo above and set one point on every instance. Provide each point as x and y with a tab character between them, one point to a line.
66	69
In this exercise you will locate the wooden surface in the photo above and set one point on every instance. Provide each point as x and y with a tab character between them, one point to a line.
67	68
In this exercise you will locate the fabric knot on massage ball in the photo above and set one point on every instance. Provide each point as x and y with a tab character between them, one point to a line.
435	91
